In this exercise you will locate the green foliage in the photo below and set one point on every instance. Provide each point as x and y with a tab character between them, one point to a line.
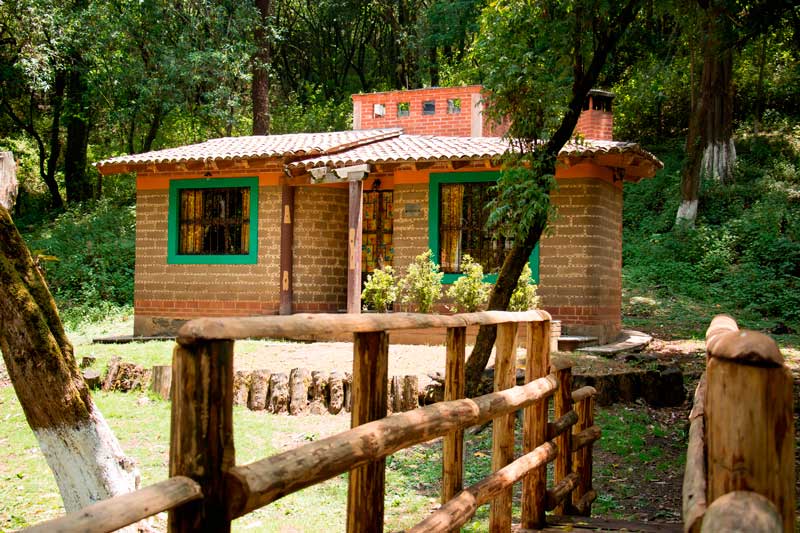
469	292
524	296
317	114
94	250
422	284
522	197
744	255
381	289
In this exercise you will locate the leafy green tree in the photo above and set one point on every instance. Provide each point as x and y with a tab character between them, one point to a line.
539	62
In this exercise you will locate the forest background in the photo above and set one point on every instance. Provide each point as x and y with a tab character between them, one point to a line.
83	80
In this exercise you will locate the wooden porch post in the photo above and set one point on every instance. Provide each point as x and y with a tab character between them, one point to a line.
354	246
287	240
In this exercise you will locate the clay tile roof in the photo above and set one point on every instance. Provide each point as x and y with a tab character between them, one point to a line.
291	145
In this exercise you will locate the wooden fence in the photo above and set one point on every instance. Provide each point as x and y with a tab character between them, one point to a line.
740	471
206	489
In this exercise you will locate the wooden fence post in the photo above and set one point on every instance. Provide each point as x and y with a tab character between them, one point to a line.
534	424
365	492
201	439
749	424
582	459
453	445
563	405
505	376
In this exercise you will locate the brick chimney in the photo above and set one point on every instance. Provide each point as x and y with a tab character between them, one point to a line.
458	112
597	119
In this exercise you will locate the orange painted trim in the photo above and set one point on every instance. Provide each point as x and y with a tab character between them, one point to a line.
584	170
408	177
157	182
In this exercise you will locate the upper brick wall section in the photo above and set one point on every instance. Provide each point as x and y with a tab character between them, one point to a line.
458	112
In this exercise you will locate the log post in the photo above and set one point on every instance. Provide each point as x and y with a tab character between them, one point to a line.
749	424
299	380
287	243
365	491
201	435
336	393
161	381
505	376
582	459
563	405
453	445
534	422
258	397
355	204
410	400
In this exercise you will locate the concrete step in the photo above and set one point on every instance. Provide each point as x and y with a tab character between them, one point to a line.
628	341
570	343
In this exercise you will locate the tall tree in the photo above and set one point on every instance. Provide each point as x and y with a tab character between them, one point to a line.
540	62
82	452
261	61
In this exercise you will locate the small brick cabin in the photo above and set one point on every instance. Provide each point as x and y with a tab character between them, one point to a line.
294	223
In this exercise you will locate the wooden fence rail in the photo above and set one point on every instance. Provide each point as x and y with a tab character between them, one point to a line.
207	489
740	471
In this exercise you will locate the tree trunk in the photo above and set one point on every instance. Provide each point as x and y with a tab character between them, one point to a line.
57	104
9	186
261	61
85	457
77	181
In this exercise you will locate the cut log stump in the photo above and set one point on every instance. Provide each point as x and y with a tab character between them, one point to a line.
161	382
259	390
278	393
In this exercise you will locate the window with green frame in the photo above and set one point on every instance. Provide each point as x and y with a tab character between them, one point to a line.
457	224
213	221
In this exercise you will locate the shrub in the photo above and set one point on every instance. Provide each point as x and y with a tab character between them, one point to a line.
524	296
380	290
469	292
422	284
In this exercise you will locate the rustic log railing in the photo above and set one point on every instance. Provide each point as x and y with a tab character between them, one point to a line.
207	489
740	471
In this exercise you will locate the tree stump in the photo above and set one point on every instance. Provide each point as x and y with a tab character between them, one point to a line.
395	395
241	388
318	392
347	383
111	374
161	382
92	378
299	380
260	383
88	361
335	393
410	399
278	393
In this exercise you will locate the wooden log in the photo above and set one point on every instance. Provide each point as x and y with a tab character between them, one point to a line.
583	393
201	434
410	398
299	380
91	377
318	393
127	377
564	422
336	393
87	361
453	443
535	426
505	376
347	383
303	325
241	388
278	401
750	433
365	491
262	482
259	395
563	405
460	509
584	505
115	513
584	433
111	373
742	512
395	403
694	477
161	382
558	494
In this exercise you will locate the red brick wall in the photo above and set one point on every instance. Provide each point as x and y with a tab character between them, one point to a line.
320	249
595	124
581	260
165	295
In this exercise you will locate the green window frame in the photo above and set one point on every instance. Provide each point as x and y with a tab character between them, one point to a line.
434	217
175	188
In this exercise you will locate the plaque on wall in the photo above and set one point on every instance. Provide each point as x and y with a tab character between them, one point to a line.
412	210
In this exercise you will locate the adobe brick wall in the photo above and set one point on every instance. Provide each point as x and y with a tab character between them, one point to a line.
410	230
467	123
581	260
320	249
166	295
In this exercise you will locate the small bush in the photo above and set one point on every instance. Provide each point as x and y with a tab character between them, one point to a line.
422	284
469	292
524	296
380	290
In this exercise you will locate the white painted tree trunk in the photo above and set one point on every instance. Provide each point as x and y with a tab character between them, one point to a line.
687	213
87	461
719	158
